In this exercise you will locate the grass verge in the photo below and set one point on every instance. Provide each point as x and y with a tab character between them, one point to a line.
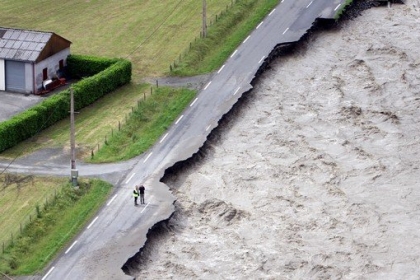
223	37
93	124
19	194
54	225
146	124
342	9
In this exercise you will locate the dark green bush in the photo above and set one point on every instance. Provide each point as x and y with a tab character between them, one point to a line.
80	66
92	88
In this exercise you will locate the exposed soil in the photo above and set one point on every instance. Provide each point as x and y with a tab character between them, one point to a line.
315	175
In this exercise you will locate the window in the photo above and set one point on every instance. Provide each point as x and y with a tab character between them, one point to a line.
61	64
44	74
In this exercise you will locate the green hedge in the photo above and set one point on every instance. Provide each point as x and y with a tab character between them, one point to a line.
80	66
92	88
111	74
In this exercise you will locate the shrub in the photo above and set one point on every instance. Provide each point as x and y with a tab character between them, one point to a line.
80	66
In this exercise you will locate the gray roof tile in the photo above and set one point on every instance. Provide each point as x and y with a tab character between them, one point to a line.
23	36
16	44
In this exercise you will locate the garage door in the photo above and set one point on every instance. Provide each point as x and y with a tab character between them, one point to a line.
15	76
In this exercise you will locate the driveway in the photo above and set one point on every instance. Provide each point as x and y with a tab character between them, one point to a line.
14	103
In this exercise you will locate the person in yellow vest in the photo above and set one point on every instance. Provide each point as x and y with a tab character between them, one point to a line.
136	195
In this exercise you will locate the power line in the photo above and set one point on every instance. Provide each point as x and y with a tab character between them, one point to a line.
155	30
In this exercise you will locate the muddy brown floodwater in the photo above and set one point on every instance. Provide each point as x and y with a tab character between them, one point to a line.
316	175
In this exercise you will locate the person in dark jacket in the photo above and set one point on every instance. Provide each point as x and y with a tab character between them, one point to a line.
141	190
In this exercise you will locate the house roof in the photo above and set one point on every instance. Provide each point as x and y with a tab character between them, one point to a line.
24	45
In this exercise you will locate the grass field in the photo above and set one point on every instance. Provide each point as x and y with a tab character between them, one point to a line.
52	222
150	33
232	27
149	120
18	197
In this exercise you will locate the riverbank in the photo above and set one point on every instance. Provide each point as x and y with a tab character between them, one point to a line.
315	175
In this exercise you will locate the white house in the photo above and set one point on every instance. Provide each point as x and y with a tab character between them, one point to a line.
28	57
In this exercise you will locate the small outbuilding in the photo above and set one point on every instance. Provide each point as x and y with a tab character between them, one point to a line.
28	58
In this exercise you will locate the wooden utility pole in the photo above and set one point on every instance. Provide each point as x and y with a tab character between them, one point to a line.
74	172
204	19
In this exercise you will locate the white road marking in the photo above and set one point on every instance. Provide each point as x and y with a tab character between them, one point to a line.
148	157
234	53
237	90
272	12
163	138
145	207
112	199
208	127
282	1
285	30
262	58
48	273
221	68
246	39
179	119
336	8
207	85
309	4
128	180
92	222
259	25
68	250
195	100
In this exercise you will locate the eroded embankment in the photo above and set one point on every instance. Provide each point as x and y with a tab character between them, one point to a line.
162	230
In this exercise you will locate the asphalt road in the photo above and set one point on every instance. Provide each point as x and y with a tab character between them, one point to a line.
13	103
119	230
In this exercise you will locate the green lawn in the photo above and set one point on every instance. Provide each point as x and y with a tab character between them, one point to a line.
52	225
149	120
232	27
18	197
150	33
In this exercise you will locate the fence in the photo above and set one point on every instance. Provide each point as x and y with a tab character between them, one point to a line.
216	19
97	147
31	215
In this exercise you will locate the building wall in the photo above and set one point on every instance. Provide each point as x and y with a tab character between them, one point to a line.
2	76
52	64
29	78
